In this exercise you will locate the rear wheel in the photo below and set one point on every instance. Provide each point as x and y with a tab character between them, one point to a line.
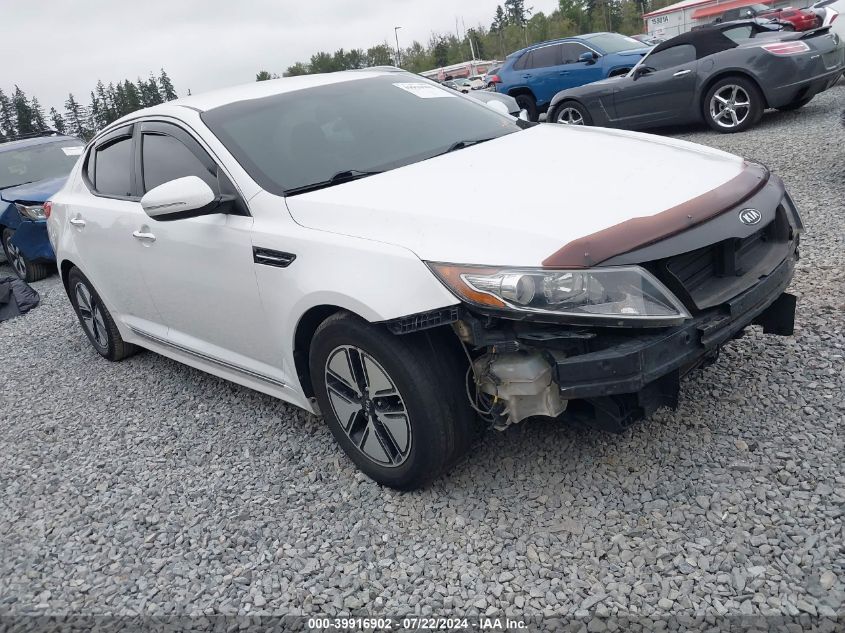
529	104
95	318
395	404
24	268
800	103
571	113
733	104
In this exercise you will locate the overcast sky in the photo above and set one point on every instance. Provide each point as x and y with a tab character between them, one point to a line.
64	46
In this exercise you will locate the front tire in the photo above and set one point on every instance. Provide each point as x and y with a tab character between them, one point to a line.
395	404
24	268
571	113
95	318
529	104
733	104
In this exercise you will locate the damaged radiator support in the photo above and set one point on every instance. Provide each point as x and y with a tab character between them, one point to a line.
523	381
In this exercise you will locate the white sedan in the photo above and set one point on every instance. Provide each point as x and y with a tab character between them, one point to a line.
295	236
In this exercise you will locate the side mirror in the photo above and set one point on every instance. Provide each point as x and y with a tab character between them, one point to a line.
186	197
588	57
641	71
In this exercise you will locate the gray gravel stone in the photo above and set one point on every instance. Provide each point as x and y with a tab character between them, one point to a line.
148	487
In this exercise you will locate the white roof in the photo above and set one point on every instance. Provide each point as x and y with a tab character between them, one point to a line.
683	4
259	89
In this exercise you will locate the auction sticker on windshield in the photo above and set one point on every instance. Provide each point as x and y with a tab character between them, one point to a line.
76	150
424	91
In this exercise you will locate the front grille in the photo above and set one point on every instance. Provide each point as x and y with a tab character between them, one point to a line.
709	276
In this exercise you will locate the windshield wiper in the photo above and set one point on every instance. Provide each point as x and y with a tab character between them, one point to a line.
19	184
465	143
347	175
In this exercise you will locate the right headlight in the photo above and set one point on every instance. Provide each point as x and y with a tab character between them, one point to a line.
612	296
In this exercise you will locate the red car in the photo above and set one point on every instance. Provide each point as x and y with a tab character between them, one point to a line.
800	19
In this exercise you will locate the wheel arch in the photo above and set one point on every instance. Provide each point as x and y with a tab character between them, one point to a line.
723	74
619	70
64	270
522	90
302	337
316	315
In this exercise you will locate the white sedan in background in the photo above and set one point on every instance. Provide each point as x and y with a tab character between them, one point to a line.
304	237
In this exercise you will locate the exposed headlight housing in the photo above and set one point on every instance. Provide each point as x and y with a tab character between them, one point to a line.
31	211
615	296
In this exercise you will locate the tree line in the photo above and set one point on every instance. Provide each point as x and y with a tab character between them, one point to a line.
20	114
513	26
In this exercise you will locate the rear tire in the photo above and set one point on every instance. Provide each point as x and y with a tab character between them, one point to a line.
733	104
795	105
570	113
395	404
529	104
95	319
24	268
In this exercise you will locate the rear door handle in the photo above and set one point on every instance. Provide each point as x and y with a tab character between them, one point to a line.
681	73
78	222
144	237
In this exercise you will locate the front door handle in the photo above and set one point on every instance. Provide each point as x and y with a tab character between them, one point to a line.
78	222
681	73
527	76
144	237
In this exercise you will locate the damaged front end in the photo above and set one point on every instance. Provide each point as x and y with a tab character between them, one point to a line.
608	343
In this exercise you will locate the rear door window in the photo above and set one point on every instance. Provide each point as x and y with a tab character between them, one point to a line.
113	168
545	57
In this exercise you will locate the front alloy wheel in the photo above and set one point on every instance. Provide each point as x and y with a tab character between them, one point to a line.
25	269
14	255
730	106
569	116
368	406
396	404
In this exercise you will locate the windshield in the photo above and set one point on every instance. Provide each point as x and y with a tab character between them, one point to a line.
613	42
300	138
38	162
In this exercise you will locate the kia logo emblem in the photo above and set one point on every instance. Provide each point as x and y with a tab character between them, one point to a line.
750	216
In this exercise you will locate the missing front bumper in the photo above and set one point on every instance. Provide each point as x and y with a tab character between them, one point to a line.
630	375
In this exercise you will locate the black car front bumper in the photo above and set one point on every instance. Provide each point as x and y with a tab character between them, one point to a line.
637	375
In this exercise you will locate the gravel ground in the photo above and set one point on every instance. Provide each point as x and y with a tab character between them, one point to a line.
146	487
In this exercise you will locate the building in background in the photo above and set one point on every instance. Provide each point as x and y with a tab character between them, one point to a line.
682	16
464	69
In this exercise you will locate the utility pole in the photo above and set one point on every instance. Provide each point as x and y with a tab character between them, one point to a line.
398	54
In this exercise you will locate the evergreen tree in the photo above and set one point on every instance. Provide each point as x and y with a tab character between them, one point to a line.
37	114
168	92
106	106
263	75
96	115
500	20
130	98
75	118
23	112
153	92
58	121
515	12
7	117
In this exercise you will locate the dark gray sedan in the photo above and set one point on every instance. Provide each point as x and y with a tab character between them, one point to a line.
726	77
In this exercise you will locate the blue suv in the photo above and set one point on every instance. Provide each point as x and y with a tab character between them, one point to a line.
32	169
536	74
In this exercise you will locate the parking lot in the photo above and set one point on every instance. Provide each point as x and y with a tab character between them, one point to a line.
149	487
